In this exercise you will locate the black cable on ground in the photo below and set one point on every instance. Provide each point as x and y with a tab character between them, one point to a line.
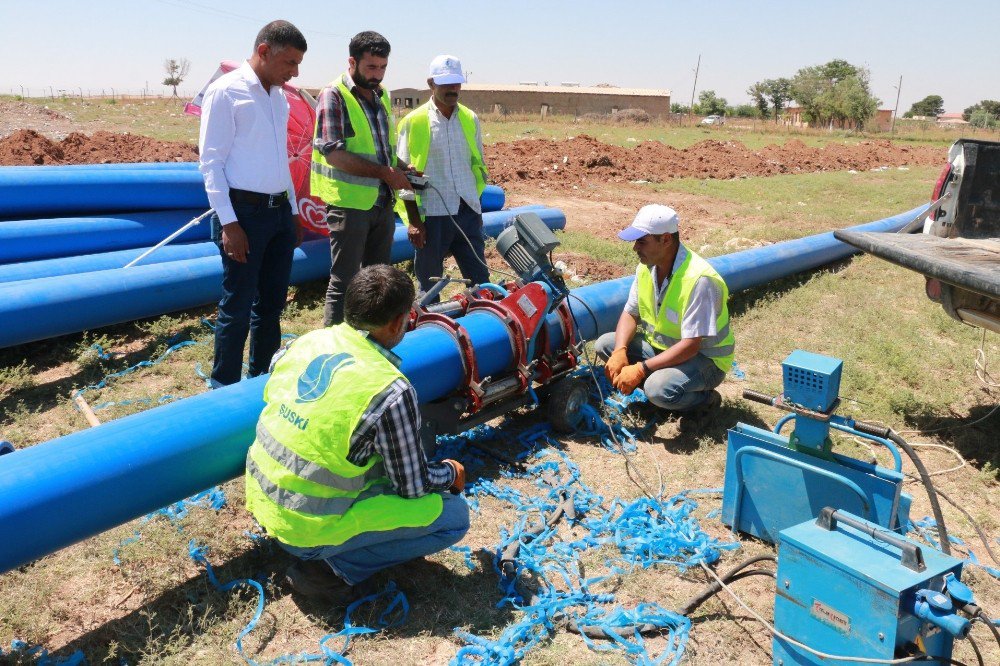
925	478
985	619
975	649
714	587
972	521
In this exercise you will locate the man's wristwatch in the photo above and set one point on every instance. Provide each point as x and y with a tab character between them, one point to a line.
645	368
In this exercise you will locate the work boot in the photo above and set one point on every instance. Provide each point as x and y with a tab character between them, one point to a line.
315	580
699	414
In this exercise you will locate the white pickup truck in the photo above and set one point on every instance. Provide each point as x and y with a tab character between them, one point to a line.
959	249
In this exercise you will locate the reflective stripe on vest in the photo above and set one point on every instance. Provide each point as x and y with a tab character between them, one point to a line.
417	124
337	187
314	472
661	331
300	486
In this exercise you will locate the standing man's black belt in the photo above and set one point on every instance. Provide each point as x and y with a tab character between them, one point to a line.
256	198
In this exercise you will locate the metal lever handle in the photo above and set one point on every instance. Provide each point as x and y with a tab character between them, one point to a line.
911	556
757	396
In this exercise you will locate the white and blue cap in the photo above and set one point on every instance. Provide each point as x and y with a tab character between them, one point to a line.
653	219
446	69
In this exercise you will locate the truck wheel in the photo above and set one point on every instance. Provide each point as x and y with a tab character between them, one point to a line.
565	403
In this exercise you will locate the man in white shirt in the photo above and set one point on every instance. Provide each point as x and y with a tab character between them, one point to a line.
673	338
244	161
443	139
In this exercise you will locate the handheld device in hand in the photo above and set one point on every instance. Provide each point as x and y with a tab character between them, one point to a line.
418	182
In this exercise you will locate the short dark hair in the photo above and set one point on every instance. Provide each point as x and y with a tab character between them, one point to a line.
368	42
376	295
279	34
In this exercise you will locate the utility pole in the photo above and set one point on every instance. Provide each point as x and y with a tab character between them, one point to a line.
899	89
691	108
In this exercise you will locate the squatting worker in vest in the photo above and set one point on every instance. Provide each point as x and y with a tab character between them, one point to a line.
337	473
354	167
244	161
442	139
673	338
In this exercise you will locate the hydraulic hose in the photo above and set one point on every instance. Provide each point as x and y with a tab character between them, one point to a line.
925	478
715	587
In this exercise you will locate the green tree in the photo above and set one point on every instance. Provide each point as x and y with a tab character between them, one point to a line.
779	92
177	71
930	106
758	94
836	91
677	107
988	105
744	111
710	104
983	119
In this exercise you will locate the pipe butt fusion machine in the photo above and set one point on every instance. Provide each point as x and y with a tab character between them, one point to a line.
773	481
848	587
542	360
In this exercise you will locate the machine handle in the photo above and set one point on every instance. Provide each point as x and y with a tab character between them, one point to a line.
757	396
872	429
911	556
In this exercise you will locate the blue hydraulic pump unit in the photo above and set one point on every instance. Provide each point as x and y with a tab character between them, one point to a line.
847	587
773	482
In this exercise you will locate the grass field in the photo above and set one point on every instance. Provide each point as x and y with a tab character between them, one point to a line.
906	364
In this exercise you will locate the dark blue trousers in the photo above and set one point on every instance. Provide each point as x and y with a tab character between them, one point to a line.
444	239
253	293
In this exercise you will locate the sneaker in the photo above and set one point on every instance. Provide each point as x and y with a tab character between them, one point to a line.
316	580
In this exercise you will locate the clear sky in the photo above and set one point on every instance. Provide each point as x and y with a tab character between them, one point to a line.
949	49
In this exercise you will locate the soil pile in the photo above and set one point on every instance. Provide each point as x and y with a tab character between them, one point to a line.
27	147
585	158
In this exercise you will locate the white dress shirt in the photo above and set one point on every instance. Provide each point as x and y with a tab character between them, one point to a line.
449	164
244	140
702	314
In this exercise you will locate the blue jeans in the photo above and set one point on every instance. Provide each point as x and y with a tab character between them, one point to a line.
679	388
360	557
443	238
253	293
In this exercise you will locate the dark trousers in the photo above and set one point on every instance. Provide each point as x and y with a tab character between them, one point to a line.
444	239
357	238
253	293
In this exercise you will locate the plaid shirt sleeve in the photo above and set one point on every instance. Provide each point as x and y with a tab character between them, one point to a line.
332	124
391	428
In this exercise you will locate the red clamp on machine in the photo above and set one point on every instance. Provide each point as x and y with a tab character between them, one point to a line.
540	368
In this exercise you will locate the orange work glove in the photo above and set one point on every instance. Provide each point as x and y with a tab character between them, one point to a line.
629	378
617	361
459	485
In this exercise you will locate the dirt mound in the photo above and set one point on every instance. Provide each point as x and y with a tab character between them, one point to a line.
584	158
28	147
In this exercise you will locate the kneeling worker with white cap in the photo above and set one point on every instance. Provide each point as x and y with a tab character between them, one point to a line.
677	305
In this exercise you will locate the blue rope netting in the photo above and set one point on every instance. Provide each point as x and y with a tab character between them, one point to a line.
638	534
19	648
926	527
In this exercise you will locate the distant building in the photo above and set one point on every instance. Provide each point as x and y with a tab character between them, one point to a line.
568	99
882	120
951	119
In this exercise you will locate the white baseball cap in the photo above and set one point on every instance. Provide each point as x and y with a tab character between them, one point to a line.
446	69
652	219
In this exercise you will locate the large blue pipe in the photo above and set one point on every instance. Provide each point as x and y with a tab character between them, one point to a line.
113	166
32	240
103	261
27	192
67	489
46	307
36	239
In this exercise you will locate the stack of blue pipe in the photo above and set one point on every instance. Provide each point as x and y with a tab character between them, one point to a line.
62	275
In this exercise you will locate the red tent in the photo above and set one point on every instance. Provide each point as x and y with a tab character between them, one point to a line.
301	121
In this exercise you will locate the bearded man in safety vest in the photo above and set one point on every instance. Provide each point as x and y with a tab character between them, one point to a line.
354	168
337	474
673	338
442	139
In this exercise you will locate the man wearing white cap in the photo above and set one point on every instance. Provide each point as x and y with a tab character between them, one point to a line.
677	304
442	138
